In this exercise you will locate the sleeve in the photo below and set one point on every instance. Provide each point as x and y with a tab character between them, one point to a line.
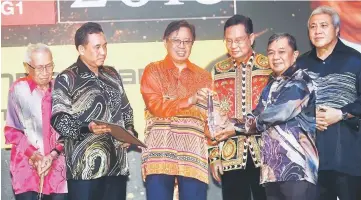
14	130
154	100
288	104
59	145
261	103
240	127
354	108
127	110
62	119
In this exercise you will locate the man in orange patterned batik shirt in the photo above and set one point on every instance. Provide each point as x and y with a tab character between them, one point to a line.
174	91
238	80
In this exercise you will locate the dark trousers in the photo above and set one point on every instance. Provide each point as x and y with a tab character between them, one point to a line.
291	190
239	184
332	184
34	196
161	187
104	188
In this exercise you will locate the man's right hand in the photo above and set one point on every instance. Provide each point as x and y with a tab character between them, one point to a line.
250	125
98	129
217	170
321	125
225	134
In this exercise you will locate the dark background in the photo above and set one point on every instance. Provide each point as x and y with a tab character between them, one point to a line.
124	24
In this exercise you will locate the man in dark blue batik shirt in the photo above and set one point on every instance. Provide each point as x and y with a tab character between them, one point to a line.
336	70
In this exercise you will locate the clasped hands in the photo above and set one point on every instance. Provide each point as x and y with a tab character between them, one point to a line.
41	163
227	127
326	116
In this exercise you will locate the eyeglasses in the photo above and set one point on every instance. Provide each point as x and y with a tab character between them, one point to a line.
178	42
238	41
41	68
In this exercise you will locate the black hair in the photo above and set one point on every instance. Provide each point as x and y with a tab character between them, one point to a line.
81	35
176	25
290	38
239	19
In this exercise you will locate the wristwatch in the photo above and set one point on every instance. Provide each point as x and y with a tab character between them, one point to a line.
344	115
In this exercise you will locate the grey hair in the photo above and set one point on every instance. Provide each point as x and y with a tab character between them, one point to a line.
32	48
329	11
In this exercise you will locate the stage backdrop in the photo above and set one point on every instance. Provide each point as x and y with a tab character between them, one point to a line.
134	30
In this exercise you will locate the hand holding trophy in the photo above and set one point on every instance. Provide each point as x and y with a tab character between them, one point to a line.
220	127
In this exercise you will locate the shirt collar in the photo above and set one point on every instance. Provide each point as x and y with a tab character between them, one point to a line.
340	47
170	65
245	61
33	85
83	68
287	74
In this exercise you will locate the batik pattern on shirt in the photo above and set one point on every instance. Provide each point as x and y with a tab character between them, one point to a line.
80	96
286	117
337	81
239	89
175	131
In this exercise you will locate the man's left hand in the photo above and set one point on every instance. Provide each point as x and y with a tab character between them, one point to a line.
250	125
330	115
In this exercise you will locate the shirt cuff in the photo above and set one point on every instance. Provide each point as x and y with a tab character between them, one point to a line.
239	128
354	123
184	103
259	126
351	108
59	147
84	127
30	151
345	109
130	127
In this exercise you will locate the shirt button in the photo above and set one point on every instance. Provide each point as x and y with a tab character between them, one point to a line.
323	62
